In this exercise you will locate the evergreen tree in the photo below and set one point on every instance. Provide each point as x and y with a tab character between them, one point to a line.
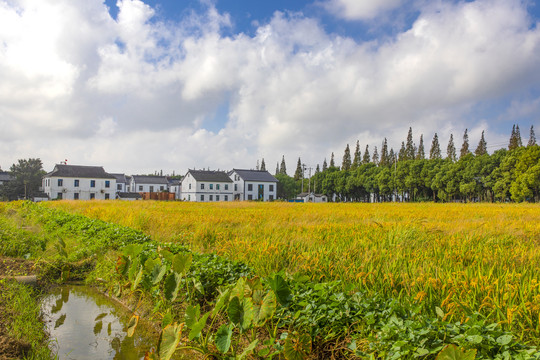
375	156
277	168
324	165
298	172
515	138
263	165
257	166
409	147
346	163
451	149
317	170
283	168
421	154
391	156
384	154
465	147
332	163
366	159
481	149
357	156
518	137
402	153
532	138
435	151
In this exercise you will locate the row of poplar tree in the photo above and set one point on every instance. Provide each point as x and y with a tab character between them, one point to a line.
508	174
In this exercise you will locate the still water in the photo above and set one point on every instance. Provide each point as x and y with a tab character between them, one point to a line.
88	325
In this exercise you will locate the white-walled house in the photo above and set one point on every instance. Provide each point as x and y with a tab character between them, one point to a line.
77	182
312	197
253	185
121	183
175	188
148	184
206	186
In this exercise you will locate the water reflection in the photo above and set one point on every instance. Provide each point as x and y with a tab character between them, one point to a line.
87	325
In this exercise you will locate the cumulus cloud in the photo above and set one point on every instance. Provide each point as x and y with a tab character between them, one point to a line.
360	10
137	93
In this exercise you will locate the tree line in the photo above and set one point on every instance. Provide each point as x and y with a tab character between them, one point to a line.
412	174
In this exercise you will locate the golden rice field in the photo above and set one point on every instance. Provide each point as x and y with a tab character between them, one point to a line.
460	257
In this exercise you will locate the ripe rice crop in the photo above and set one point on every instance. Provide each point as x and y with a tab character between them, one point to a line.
463	258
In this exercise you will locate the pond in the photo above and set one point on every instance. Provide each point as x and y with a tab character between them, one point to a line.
85	324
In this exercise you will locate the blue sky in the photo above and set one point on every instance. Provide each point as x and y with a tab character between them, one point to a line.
145	85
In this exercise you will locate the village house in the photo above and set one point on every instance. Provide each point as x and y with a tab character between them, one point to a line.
77	182
206	186
122	183
253	185
175	188
148	184
312	197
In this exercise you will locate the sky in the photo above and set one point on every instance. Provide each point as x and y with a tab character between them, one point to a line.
139	86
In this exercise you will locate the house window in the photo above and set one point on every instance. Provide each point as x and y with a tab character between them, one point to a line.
202	197
202	186
189	198
59	196
217	186
107	197
151	188
270	197
211	186
161	188
271	187
226	186
107	183
211	197
76	183
118	186
92	183
189	186
250	188
217	197
140	188
235	187
226	197
92	196
76	196
60	182
250	197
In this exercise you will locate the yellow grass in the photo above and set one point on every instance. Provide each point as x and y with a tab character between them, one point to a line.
460	257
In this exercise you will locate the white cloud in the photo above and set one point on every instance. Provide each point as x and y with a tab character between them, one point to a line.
360	9
132	94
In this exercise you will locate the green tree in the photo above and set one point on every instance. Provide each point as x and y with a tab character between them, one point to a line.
277	168
451	149
283	168
263	165
367	158
357	161
435	151
402	155
532	137
410	147
465	147
298	172
324	165
421	154
385	161
481	149
287	188
332	162
515	138
346	163
27	174
375	158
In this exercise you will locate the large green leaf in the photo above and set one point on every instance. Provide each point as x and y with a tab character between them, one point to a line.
249	349
221	301
223	338
235	310
168	341
182	262
297	347
132	325
239	289
241	313
198	327
267	309
172	286
192	315
157	273
138	279
281	289
452	352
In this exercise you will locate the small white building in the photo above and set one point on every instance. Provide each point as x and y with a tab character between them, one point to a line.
206	186
77	182
122	184
312	197
253	185
175	186
148	184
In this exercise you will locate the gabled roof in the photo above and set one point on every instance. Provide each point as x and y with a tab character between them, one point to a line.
5	176
255	175
80	171
129	195
120	178
146	179
207	175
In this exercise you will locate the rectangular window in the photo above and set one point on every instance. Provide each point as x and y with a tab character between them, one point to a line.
92	183
140	188
217	186
118	186
76	196
217	197
189	198
202	197
92	196
60	182
107	183
250	197
270	197
161	188
271	187
151	188
235	187
107	197
211	198
226	186
226	197
211	186
202	186
250	187
59	196
189	186
76	183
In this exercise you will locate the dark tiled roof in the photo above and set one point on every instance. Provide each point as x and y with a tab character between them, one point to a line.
207	175
79	171
129	195
145	179
255	175
5	176
174	182
120	178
